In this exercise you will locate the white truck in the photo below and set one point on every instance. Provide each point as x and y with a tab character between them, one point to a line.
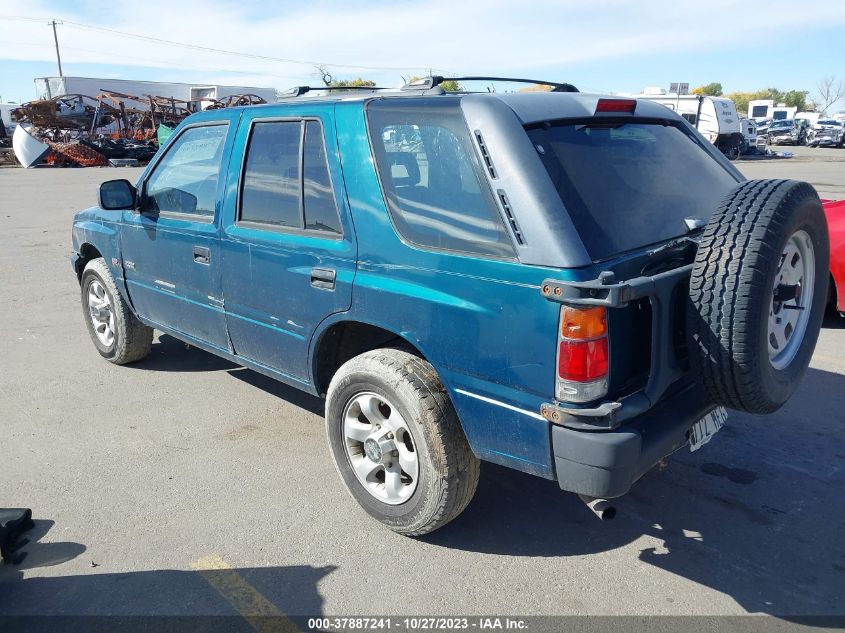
715	117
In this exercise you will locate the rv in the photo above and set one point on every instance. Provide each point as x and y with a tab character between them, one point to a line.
715	117
761	109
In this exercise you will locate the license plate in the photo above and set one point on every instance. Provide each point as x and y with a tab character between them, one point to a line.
704	430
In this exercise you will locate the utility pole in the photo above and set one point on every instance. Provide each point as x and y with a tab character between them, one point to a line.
56	39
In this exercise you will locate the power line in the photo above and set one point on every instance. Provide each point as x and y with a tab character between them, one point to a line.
169	63
220	51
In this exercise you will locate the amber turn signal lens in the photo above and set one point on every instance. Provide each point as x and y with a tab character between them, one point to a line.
582	324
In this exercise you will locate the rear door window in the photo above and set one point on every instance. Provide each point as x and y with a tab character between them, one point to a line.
630	184
432	178
271	184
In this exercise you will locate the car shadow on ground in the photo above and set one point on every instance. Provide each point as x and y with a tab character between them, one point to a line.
171	354
756	515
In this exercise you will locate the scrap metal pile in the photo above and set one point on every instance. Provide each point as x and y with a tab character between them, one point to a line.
82	131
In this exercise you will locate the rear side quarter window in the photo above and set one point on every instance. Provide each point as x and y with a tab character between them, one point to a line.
432	178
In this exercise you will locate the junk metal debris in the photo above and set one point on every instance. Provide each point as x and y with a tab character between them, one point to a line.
83	131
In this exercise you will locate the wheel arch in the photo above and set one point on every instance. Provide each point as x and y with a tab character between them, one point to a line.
87	252
342	339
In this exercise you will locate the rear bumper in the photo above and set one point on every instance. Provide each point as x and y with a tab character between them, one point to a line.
606	463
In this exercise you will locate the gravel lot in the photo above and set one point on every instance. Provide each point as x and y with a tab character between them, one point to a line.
143	478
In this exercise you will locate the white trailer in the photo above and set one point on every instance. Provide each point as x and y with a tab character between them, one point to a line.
6	116
200	94
762	109
715	117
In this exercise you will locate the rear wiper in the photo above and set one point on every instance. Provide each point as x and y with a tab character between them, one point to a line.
599	126
678	244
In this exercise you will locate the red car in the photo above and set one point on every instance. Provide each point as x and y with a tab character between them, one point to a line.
835	212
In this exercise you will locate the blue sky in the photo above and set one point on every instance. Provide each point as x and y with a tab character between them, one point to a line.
599	45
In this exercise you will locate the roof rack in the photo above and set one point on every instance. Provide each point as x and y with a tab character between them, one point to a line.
426	83
298	91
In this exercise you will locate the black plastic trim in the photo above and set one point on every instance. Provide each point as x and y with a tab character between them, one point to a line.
605	465
665	370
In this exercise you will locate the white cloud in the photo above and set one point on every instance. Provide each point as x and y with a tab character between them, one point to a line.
471	36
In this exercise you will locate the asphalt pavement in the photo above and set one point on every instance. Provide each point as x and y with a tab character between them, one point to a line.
186	485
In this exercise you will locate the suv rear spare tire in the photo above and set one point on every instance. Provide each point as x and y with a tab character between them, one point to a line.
757	294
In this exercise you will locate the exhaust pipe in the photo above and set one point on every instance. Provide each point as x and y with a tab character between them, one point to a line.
602	508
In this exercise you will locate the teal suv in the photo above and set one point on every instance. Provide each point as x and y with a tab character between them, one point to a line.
570	285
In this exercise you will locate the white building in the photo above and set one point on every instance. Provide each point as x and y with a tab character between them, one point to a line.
49	87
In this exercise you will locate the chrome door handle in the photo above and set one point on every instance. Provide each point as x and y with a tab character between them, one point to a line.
202	255
323	278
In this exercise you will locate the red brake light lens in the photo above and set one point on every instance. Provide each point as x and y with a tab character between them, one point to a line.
583	361
616	105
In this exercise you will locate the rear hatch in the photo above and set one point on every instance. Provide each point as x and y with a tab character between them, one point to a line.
638	191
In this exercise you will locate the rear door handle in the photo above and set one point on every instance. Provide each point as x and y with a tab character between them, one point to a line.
202	255
323	278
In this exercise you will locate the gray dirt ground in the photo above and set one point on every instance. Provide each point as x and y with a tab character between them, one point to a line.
138	476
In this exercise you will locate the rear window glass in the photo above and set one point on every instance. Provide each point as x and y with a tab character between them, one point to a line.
627	185
431	177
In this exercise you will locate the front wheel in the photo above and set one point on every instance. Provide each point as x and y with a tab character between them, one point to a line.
117	334
397	443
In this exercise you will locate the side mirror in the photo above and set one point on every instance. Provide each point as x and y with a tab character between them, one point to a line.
116	195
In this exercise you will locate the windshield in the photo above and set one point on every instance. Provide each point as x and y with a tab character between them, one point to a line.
779	124
828	122
630	184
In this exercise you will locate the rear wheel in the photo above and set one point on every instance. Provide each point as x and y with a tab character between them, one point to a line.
758	294
397	443
117	334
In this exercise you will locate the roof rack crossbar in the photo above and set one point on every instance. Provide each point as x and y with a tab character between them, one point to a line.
298	91
427	83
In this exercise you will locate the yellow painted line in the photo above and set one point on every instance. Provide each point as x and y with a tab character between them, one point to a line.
261	614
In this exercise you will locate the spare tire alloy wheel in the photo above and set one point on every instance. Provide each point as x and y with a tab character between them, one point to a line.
758	294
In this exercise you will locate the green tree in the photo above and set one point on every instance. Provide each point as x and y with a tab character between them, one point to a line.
791	98
709	90
360	82
741	100
450	85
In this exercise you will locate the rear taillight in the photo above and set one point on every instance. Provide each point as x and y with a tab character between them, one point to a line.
583	354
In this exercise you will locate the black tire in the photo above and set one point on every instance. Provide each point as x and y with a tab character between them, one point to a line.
132	339
732	288
448	469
